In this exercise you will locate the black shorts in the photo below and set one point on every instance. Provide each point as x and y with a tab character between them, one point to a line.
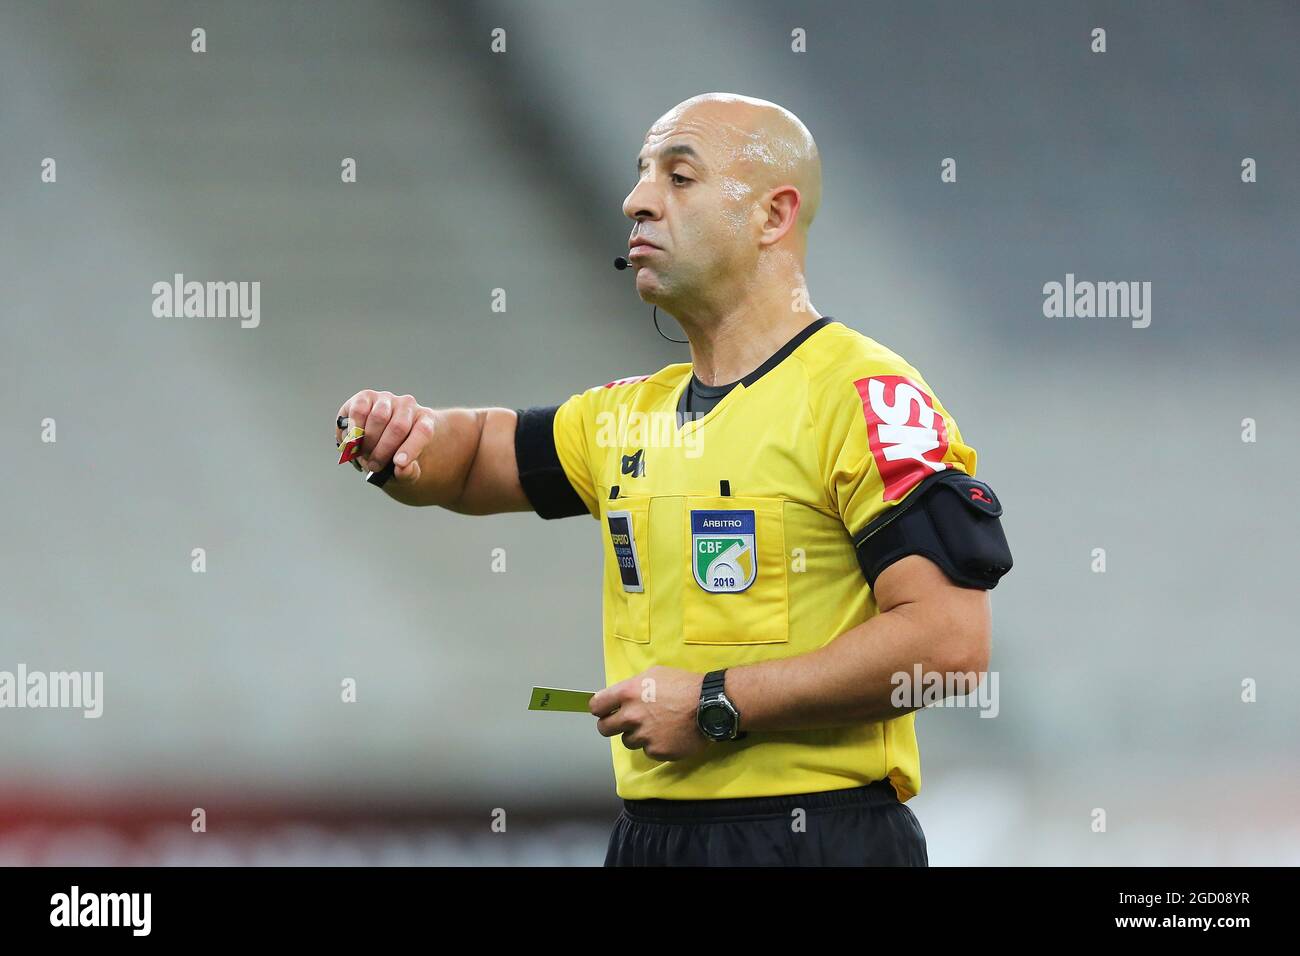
861	826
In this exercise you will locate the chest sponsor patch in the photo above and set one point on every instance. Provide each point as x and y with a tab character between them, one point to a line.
624	541
723	558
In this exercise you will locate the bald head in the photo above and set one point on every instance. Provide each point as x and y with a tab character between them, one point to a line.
763	144
727	188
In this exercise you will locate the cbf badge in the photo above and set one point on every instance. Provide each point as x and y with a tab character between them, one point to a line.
722	550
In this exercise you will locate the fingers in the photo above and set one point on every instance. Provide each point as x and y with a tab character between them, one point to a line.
377	419
626	723
407	458
620	721
618	711
393	424
353	412
357	407
614	718
397	415
605	702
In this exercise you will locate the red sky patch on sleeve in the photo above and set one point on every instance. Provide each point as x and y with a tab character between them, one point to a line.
908	437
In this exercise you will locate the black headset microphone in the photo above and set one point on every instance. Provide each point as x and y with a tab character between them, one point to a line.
621	263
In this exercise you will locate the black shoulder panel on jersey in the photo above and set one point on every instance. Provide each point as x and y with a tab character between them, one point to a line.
950	518
540	472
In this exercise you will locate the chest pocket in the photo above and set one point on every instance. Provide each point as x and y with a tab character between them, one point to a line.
734	588
627	569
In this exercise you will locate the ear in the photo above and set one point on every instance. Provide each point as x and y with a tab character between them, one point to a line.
782	213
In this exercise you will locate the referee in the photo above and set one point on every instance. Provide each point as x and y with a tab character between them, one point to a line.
791	525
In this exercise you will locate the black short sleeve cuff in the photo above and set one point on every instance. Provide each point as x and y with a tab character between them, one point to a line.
543	478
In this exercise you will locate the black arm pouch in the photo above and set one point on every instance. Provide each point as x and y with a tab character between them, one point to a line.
952	519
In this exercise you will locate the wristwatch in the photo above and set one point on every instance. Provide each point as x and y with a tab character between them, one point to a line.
717	716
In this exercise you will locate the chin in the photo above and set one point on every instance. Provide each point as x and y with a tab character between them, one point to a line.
648	286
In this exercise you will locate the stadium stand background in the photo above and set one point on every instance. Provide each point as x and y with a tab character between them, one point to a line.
479	171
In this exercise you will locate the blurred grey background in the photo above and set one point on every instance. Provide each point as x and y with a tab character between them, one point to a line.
476	171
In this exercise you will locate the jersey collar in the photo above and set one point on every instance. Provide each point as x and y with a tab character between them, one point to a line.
783	353
777	357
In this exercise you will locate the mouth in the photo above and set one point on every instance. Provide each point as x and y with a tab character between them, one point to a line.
641	247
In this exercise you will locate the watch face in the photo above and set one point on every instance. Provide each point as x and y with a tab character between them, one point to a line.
716	720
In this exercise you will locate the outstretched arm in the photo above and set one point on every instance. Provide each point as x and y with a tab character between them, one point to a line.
461	459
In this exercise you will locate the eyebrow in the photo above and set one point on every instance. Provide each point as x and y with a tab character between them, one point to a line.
678	149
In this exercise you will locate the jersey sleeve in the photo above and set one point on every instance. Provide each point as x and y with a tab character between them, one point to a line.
551	450
883	433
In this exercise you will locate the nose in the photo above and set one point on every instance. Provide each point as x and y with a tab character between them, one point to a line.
642	202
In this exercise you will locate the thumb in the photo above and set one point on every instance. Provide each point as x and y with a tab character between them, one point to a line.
409	472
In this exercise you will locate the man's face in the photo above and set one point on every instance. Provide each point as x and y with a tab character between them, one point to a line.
692	205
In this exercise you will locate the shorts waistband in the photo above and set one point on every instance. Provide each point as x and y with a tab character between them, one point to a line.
879	793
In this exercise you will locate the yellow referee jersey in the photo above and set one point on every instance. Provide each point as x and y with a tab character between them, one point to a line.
729	539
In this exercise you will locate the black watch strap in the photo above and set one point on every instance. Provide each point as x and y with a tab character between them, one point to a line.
715	683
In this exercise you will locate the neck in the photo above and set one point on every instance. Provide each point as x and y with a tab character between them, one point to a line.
730	341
